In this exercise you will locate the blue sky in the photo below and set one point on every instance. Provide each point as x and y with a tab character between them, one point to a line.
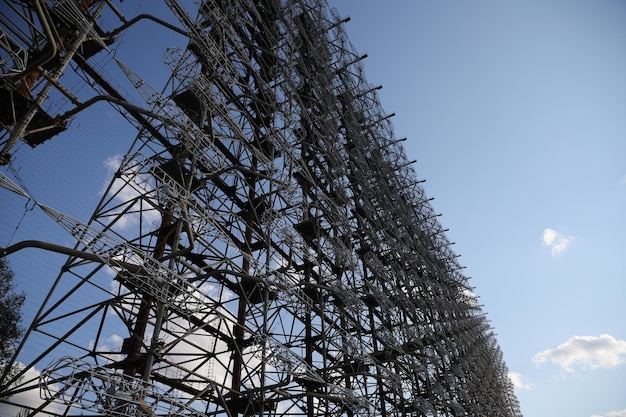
515	114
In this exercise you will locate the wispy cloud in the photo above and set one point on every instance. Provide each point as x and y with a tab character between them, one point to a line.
586	352
557	242
612	414
519	381
112	163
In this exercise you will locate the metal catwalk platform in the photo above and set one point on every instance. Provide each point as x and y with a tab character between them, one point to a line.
265	246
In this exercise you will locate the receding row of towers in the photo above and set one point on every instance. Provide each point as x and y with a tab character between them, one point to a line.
264	247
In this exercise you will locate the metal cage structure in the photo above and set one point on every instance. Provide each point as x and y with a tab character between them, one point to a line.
264	246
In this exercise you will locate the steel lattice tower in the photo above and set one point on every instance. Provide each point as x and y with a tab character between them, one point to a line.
264	247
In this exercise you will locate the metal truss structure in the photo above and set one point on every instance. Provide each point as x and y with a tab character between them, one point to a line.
271	249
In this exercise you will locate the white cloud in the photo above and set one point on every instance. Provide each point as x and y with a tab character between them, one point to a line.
557	242
31	397
127	186
612	414
519	381
112	163
587	352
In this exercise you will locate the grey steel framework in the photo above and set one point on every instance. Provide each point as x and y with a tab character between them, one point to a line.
296	266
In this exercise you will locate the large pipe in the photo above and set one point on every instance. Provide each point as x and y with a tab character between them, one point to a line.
132	268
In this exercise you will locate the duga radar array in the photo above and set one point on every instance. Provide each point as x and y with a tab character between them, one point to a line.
264	247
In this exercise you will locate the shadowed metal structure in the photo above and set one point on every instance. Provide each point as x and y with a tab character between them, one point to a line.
264	248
